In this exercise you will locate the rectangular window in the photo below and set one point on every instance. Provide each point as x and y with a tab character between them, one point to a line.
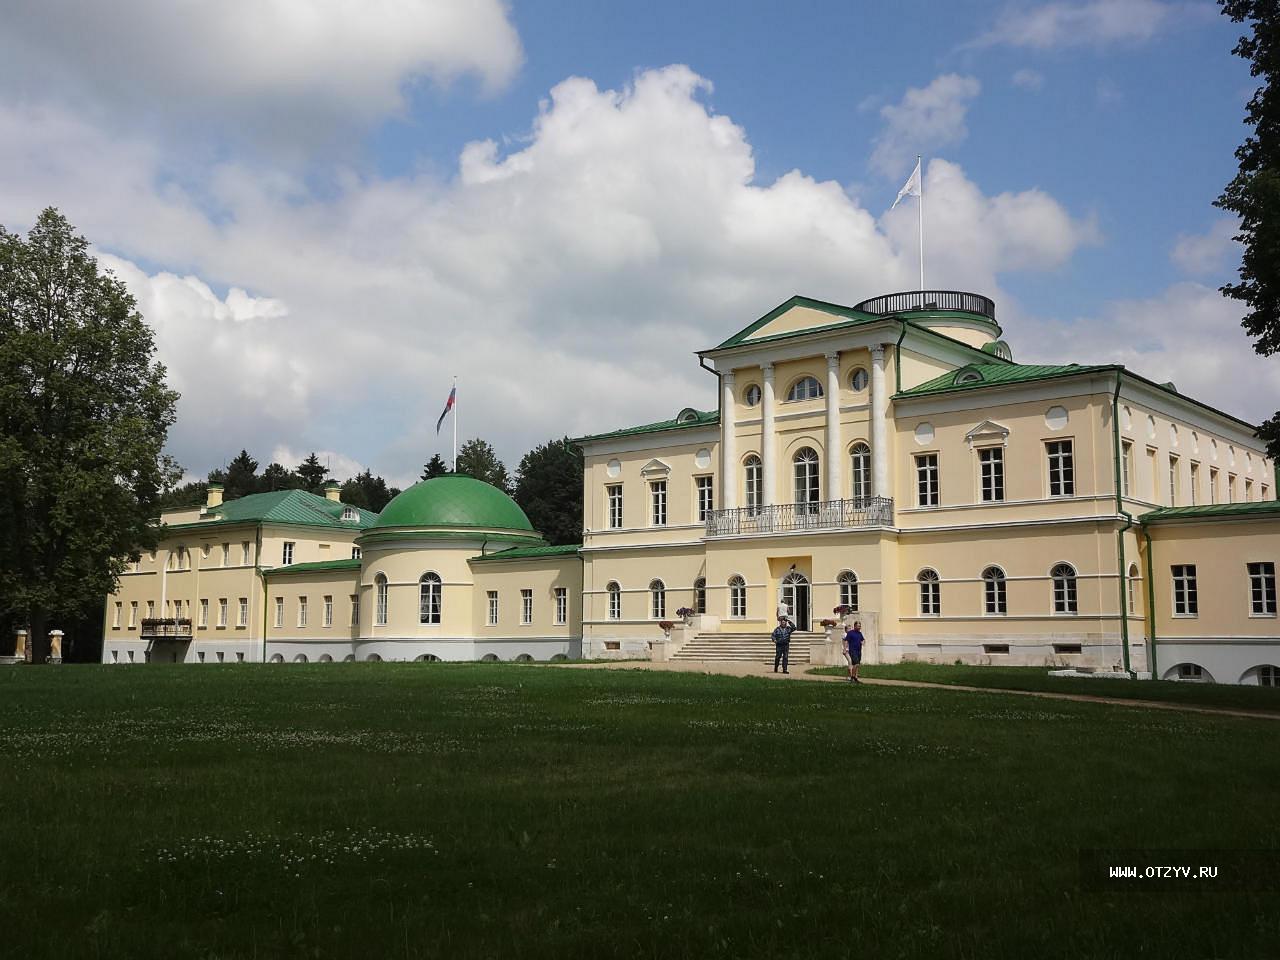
1213	484
328	610
1126	467
1265	494
1248	490
133	614
287	557
737	599
245	553
991	465
1152	454
119	615
613	495
242	620
151	609
658	503
1173	480
226	554
1231	488
493	607
302	611
615	603
1185	603
526	607
355	553
1262	589
996	594
204	613
562	606
279	611
927	479
706	501
222	612
1062	471
355	609
1193	492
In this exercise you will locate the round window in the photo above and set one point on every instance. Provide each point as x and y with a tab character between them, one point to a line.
858	380
751	396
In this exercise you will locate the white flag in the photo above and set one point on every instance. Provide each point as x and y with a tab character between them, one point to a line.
911	188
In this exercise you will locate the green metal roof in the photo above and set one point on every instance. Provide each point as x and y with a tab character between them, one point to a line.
699	418
1258	508
999	374
454	501
533	553
296	507
318	566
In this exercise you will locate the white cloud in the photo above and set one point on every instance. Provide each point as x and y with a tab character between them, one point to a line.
566	282
1027	79
1203	254
1095	23
341	467
271	64
925	120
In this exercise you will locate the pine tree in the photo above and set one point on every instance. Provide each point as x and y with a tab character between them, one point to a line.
478	459
313	474
549	490
435	467
240	478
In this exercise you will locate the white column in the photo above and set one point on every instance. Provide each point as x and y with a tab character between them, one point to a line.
768	441
728	444
835	451
879	425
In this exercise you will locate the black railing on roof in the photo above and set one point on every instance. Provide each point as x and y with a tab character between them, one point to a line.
930	300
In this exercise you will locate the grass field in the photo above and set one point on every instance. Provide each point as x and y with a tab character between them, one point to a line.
425	810
1230	696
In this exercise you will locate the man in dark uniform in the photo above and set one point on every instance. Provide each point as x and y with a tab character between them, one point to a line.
782	644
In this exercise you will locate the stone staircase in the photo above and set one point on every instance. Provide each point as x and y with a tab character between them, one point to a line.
748	647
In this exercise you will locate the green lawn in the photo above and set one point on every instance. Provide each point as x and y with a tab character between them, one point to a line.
427	810
1037	678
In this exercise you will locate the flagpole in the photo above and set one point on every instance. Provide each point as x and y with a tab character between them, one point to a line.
920	173
455	424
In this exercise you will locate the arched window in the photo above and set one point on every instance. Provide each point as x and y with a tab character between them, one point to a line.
380	609
700	595
1133	588
429	598
994	594
1064	589
860	458
615	600
751	396
657	600
754	480
930	593
806	388
805	464
848	583
737	598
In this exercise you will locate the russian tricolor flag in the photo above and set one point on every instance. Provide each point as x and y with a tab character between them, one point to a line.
453	395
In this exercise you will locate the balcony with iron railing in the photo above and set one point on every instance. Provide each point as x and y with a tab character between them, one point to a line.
166	628
919	300
795	517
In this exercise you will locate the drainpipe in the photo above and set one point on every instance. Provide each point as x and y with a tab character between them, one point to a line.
1128	524
1151	606
897	354
257	568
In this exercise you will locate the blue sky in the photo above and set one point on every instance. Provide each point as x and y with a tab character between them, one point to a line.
306	212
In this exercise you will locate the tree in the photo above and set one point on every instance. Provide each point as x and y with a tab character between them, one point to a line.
549	489
240	478
194	494
477	459
1254	193
368	492
84	414
313	474
435	467
278	477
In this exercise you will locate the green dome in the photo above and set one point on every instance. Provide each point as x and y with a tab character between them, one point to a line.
454	501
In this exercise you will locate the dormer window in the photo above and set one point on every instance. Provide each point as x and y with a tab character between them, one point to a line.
687	415
806	388
968	375
349	514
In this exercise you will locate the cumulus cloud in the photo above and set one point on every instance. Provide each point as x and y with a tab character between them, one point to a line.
566	282
1096	23
923	121
280	64
1203	254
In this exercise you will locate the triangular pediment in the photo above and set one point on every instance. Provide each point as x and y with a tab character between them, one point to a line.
655	468
796	316
988	430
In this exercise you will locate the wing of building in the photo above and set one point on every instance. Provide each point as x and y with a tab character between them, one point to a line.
890	461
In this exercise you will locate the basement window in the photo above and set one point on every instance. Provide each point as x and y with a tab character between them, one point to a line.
612	645
1061	648
995	648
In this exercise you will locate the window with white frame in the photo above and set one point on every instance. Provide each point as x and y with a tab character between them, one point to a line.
1269	675
204	613
1213	484
658	503
1232	489
526	607
380	590
1062	471
614	593
118	616
657	600
429	599
1065	595
858	380
1262	589
492	596
927	479
1126	467
847	582
1186	603
807	479
328	610
737	598
613	500
751	396
349	514
754	484
562	605
151	609
242	613
1173	480
287	555
133	613
204	552
279	611
700	595
226	554
994	592
355	609
222	612
302	611
806	388
991	473
1195	483
706	497
1190	671
355	553
1248	490
245	553
1133	588
860	464
930	593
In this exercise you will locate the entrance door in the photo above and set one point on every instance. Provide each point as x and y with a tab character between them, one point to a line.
795	594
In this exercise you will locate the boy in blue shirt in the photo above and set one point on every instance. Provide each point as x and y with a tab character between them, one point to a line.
853	641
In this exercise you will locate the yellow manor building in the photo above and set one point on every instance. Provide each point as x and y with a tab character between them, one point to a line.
890	458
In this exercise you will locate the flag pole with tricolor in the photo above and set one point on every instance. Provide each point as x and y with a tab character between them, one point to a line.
449	405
